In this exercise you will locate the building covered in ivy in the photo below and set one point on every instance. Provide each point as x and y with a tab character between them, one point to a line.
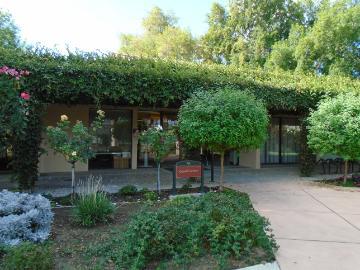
140	93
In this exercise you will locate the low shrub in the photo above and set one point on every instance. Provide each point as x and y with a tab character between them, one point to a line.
24	217
128	190
223	225
29	256
150	196
186	187
92	209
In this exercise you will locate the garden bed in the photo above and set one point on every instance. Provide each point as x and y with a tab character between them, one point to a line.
214	231
352	181
133	196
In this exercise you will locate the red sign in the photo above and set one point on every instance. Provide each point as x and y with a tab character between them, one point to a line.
188	171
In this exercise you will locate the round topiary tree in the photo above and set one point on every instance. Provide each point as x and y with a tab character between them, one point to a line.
334	128
223	120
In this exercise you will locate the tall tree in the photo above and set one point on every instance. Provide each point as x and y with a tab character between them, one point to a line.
9	33
332	45
161	39
246	33
215	45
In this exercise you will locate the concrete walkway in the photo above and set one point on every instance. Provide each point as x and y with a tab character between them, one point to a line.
317	228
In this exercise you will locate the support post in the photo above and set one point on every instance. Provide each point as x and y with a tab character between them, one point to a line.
174	181
202	179
212	167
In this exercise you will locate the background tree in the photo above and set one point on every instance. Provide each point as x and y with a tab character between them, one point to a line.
332	45
215	45
9	33
161	39
223	120
246	33
159	142
334	128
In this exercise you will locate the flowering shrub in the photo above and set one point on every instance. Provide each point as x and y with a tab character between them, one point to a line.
20	124
24	217
75	142
159	142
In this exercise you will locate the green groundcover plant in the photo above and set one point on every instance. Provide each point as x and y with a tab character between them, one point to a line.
223	225
28	256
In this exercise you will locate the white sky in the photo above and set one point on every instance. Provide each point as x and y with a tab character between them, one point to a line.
96	24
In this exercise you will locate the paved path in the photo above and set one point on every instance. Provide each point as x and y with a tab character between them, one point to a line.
317	228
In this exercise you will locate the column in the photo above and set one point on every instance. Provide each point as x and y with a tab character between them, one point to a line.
135	137
250	159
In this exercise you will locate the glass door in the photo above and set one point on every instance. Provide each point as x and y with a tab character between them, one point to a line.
282	144
270	150
290	134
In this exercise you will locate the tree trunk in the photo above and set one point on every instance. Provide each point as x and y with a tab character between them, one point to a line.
222	171
158	178
345	171
73	178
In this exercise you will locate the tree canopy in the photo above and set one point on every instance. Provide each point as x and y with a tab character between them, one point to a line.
9	33
162	39
320	37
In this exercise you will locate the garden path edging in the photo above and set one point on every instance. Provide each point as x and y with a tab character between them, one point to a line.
267	266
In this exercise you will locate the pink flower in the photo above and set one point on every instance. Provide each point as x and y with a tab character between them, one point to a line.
25	95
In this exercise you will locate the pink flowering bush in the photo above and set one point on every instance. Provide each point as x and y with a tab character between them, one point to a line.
20	126
14	103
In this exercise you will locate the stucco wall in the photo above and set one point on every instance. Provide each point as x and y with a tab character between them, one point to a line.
51	162
250	159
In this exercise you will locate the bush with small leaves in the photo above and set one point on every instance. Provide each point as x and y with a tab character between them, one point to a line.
128	190
222	224
29	256
151	196
24	217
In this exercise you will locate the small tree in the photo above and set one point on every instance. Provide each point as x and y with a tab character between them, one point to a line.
334	128
74	142
159	142
223	120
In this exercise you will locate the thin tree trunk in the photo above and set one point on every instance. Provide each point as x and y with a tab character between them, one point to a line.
222	171
345	171
73	178
158	179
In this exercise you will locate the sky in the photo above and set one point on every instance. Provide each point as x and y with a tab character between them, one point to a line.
91	25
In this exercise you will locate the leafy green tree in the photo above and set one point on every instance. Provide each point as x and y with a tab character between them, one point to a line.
223	120
215	45
334	128
157	21
282	55
9	33
332	45
161	39
74	142
246	33
159	142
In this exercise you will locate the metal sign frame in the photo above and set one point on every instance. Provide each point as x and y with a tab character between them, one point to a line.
190	170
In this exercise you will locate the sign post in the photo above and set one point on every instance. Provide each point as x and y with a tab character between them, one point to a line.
187	169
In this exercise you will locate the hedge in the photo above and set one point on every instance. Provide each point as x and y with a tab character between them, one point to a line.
124	80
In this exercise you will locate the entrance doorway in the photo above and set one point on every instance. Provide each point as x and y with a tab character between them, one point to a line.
282	145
